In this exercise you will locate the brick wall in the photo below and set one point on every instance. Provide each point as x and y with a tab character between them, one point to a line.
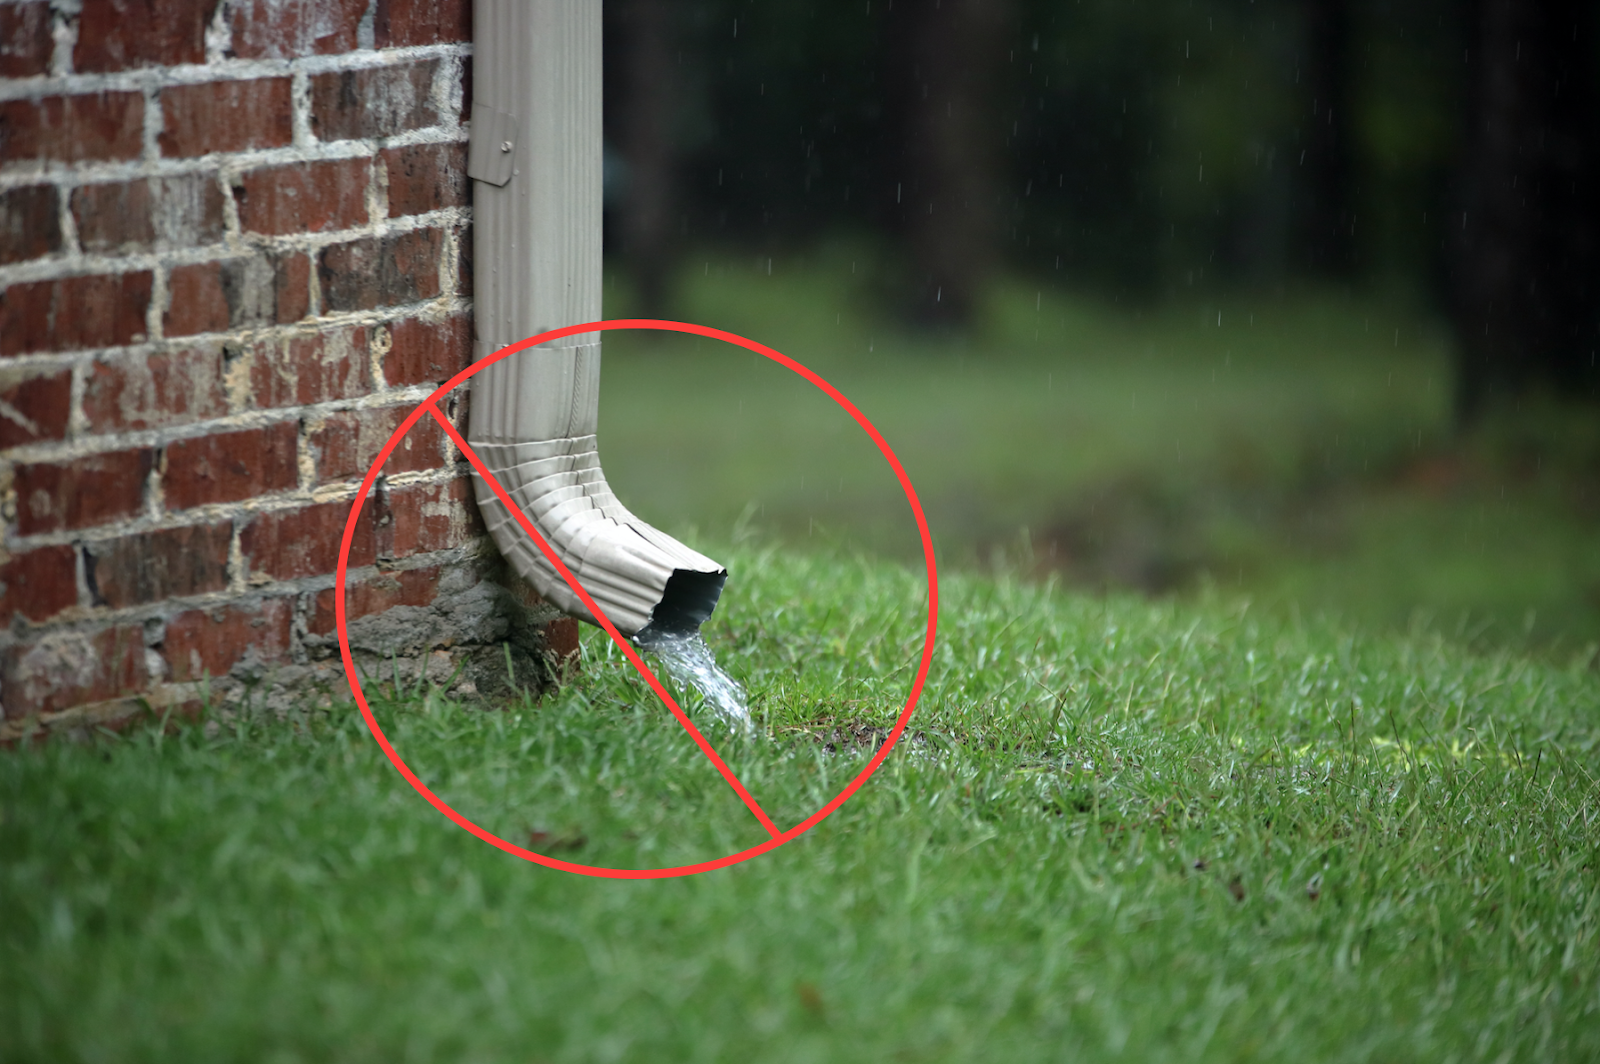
234	253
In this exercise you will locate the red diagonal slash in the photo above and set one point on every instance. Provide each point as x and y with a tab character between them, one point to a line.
605	622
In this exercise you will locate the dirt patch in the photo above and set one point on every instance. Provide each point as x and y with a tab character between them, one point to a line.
848	735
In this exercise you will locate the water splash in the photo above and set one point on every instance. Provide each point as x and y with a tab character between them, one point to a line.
689	662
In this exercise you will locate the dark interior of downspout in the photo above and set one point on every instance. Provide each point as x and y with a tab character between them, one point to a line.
687	602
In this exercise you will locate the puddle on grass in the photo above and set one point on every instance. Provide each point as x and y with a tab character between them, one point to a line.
689	662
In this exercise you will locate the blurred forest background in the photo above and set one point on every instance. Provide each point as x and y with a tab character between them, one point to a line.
1297	300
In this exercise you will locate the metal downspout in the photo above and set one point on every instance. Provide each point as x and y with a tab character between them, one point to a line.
535	161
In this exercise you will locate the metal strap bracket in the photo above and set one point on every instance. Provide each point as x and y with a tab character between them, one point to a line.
492	151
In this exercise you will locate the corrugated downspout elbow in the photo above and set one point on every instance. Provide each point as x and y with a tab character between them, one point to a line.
535	162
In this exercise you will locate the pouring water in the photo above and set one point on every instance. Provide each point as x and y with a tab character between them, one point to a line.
689	662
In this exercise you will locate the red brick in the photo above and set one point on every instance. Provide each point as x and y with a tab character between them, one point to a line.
83	492
73	129
292	287
429	517
38	584
114	217
562	644
204	643
181	211
311	368
34	408
375	594
231	466
225	116
74	313
62	669
289	544
206	297
154	566
373	101
124	34
197	300
29	228
25	41
289	29
349	441
380	271
425	177
304	197
165	388
428	352
406	23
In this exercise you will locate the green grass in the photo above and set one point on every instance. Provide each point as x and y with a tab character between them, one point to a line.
1124	830
1296	448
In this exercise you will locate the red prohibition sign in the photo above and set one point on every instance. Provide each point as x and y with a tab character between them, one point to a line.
430	407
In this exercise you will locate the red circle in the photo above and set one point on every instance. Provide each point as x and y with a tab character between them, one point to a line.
638	873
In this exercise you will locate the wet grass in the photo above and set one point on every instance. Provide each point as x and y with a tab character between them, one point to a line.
1125	831
1296	447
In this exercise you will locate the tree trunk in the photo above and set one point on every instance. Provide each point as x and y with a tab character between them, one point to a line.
1325	216
647	123
946	58
1527	265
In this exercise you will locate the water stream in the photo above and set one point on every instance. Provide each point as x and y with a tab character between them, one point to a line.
688	662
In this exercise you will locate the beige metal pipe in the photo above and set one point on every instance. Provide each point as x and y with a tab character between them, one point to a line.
535	161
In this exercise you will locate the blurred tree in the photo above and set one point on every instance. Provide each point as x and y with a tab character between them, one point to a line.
1527	274
1083	206
1137	145
783	114
645	126
1407	88
941	178
1324	235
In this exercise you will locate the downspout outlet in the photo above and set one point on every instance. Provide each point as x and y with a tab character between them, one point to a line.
685	605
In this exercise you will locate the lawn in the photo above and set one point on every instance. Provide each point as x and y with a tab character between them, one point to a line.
1117	829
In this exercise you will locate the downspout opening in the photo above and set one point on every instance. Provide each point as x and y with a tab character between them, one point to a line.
688	600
